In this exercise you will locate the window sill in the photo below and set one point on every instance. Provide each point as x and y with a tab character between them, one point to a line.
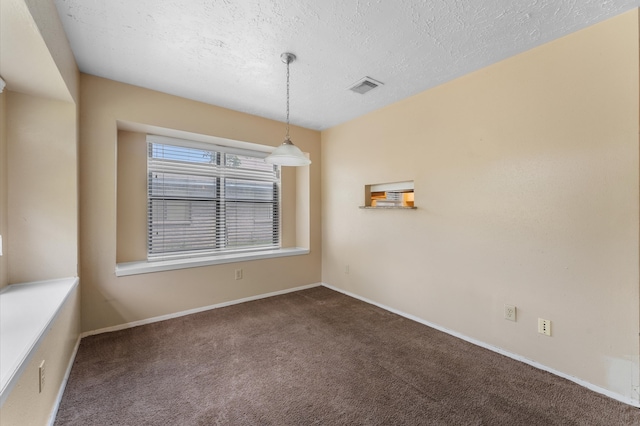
144	267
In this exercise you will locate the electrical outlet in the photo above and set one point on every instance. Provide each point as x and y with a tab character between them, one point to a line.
510	312
238	274
41	376
544	327
346	269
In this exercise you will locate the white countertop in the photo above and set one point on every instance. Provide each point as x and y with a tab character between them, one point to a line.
26	312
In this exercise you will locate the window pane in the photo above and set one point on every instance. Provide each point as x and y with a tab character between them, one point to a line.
250	224
169	185
180	225
250	163
183	154
202	202
241	189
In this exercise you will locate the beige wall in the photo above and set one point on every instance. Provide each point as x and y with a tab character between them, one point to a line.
26	406
45	16
108	300
42	192
38	185
526	182
131	197
39	209
35	55
3	189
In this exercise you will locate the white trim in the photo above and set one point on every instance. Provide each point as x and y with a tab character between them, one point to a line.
196	310
145	267
28	333
217	144
496	349
190	136
63	385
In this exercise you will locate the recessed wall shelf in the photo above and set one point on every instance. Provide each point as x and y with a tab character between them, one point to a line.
395	195
388	208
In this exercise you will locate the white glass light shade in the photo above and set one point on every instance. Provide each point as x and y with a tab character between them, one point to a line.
287	154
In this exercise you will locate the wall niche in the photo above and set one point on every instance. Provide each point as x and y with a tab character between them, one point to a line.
393	195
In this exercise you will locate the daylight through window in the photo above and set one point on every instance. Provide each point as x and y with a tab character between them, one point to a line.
205	199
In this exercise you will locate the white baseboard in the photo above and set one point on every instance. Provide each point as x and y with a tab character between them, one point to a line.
63	385
511	355
196	310
496	349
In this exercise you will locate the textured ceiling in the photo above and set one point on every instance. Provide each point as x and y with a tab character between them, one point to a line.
227	52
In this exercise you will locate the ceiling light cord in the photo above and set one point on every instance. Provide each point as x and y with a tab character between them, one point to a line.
287	135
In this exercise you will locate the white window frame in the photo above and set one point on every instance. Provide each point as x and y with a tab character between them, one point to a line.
222	174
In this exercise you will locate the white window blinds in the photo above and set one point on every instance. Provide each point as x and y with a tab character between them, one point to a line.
207	199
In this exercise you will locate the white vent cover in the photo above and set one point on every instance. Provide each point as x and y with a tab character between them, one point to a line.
364	85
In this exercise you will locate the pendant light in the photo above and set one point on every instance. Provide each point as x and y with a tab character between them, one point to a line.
287	154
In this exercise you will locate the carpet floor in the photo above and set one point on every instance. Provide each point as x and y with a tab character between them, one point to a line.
314	357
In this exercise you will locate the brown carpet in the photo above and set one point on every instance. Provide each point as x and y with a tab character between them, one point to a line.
314	357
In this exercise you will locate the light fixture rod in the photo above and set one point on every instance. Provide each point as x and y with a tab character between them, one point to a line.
287	58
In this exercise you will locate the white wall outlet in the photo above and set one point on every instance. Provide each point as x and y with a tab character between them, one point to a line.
510	312
346	269
238	274
544	327
41	376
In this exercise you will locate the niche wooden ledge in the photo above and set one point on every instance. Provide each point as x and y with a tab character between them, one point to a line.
388	208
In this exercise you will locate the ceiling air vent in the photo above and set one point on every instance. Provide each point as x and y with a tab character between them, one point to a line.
364	85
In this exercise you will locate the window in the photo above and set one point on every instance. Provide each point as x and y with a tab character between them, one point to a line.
205	199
